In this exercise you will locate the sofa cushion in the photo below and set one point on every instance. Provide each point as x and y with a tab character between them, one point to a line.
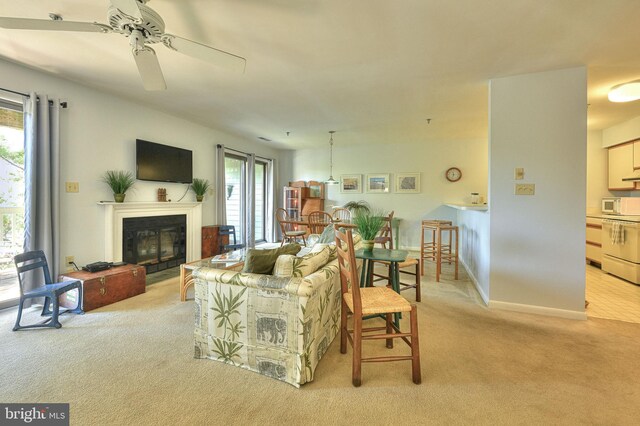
292	266
259	261
328	235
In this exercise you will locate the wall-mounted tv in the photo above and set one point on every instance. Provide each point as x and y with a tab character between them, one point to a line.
163	163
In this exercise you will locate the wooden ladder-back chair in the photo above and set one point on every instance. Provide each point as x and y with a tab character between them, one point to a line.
318	220
289	233
361	302
385	238
341	214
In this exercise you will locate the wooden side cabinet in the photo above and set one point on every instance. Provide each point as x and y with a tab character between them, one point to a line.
302	198
104	287
211	241
594	240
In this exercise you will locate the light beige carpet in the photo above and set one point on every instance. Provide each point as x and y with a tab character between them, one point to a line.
131	363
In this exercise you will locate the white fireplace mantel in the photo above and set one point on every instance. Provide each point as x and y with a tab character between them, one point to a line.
115	213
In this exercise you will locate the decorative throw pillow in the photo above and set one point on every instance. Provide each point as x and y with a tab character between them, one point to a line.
328	235
259	261
332	250
293	266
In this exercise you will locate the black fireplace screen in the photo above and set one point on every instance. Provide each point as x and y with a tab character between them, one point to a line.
156	242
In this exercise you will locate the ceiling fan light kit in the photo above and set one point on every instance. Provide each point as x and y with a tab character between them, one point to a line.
625	92
134	19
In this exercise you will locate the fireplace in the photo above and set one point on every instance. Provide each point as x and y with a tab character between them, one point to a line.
155	242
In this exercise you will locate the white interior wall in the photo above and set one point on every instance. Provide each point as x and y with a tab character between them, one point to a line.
430	158
597	172
538	121
98	133
475	250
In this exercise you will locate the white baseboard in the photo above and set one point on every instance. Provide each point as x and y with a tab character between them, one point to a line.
540	310
475	282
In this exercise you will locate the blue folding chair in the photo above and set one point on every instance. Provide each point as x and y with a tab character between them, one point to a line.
229	230
31	261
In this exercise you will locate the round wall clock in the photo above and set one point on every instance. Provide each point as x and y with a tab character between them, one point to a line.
453	174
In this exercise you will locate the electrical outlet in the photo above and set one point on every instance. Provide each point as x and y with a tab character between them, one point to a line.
72	187
519	173
68	261
525	188
210	191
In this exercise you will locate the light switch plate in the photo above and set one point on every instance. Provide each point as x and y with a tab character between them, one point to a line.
519	173
72	187
525	189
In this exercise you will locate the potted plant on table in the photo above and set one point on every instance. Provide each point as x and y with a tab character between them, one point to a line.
119	181
200	187
357	207
369	225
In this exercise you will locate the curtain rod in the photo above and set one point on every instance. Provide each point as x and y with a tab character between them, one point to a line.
62	104
243	153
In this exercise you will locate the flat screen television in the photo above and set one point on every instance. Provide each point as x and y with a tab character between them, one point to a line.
163	163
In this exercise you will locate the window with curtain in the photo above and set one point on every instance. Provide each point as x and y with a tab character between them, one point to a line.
236	181
11	198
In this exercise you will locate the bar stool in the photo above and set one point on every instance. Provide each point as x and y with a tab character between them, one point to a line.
450	256
428	248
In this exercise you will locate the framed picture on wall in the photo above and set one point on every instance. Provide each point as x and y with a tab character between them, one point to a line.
351	184
378	183
408	183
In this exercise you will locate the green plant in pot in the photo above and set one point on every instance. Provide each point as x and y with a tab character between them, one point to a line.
357	207
369	225
200	187
119	181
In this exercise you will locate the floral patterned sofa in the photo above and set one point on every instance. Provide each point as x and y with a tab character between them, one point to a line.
276	326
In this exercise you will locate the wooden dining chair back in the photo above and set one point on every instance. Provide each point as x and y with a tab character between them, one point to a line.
289	232
318	220
341	215
410	266
363	302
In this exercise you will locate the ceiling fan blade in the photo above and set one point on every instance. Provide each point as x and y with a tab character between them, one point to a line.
149	69
128	7
43	24
206	53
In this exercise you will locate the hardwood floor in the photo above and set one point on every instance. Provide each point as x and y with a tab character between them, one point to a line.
611	297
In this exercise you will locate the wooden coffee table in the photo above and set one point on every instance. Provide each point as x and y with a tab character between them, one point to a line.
186	279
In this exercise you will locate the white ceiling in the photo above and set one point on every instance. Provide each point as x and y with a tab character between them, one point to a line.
373	70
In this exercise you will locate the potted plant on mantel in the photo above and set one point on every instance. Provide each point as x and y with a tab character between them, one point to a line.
200	187
119	181
369	224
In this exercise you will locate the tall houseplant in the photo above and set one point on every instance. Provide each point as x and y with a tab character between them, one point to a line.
357	207
200	187
120	182
369	225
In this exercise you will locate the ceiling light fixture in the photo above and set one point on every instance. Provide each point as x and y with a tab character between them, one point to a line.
331	180
625	92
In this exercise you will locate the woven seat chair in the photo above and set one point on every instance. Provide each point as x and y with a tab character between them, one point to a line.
318	220
385	239
362	302
289	233
341	215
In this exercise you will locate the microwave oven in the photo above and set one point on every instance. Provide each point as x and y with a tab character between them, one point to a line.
626	206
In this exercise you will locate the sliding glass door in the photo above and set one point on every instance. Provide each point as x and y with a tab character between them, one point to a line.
11	198
236	181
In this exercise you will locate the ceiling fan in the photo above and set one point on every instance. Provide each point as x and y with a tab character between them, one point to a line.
143	26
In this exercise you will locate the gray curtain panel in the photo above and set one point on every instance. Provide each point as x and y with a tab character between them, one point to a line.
270	220
250	216
42	179
221	187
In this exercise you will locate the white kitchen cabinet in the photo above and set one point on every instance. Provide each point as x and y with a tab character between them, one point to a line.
621	165
636	155
594	240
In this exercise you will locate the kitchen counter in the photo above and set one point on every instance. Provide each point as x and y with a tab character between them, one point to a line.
620	217
476	207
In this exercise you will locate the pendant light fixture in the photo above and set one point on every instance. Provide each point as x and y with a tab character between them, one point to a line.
331	180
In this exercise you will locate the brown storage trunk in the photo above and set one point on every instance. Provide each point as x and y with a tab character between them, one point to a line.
212	240
104	287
